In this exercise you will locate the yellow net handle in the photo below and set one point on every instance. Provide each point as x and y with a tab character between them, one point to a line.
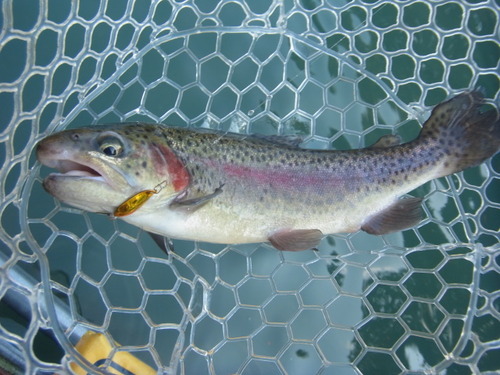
96	348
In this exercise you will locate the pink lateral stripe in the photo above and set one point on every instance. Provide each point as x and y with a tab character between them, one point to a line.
283	177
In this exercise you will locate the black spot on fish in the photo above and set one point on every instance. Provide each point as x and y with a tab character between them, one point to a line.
144	164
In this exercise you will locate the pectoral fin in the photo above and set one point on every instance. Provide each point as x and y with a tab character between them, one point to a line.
190	204
403	214
295	240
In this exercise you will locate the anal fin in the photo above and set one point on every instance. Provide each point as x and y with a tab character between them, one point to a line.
295	239
403	214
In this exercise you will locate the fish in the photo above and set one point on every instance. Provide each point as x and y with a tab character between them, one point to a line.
228	188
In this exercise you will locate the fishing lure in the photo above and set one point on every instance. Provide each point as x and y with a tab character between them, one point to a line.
137	200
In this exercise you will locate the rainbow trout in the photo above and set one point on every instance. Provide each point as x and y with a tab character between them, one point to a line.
228	188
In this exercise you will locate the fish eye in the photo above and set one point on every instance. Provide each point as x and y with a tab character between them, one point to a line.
111	146
110	150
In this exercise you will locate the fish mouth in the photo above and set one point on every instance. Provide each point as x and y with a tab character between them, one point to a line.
70	168
72	165
83	177
83	180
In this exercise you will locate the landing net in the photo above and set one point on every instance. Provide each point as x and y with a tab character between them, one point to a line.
338	73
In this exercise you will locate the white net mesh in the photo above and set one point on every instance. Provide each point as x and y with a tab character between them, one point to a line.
339	73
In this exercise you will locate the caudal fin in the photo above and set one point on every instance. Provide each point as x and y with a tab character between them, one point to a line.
462	133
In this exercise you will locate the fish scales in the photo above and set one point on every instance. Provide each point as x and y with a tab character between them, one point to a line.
270	170
228	188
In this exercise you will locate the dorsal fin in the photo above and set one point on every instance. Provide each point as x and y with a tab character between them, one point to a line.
285	140
388	140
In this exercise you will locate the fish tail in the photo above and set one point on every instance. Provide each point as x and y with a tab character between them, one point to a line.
464	135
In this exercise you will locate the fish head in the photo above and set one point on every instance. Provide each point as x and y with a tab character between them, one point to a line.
101	167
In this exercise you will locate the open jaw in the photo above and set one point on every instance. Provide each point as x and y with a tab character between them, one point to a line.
71	165
70	168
